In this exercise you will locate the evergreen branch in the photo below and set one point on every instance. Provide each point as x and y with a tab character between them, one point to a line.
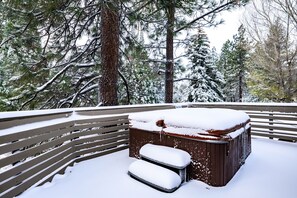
155	61
141	7
28	101
82	79
46	43
53	79
204	15
46	102
126	85
18	32
78	55
84	90
182	79
47	84
90	88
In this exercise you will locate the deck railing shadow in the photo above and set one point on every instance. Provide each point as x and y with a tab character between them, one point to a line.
36	145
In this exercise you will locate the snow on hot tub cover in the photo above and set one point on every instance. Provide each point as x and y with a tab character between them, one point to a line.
200	123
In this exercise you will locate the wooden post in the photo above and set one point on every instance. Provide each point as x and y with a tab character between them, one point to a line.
270	123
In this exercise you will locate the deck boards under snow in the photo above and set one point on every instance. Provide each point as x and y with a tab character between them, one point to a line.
270	171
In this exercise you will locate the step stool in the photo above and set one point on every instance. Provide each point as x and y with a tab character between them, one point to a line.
174	159
161	167
155	176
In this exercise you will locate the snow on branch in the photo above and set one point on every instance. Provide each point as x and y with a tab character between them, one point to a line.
85	88
82	90
85	65
217	9
41	88
181	79
21	31
90	88
155	61
51	81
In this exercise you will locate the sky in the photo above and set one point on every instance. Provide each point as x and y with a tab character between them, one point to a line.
220	34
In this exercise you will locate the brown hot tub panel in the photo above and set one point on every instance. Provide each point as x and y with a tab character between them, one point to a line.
213	162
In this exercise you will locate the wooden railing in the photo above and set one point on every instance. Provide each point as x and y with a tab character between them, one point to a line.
277	121
36	145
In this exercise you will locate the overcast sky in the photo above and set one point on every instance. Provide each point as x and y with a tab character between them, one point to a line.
220	34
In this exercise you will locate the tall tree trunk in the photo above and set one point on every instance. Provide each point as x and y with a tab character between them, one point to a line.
240	86
109	54
169	53
240	80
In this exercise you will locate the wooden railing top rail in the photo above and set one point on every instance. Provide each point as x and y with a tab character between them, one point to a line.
17	115
15	118
272	120
279	107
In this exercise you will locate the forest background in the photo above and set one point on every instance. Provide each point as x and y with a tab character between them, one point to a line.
74	53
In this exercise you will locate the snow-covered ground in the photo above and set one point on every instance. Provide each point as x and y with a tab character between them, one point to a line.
270	171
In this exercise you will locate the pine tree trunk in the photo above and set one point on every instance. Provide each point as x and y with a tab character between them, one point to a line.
109	54
169	54
241	63
240	86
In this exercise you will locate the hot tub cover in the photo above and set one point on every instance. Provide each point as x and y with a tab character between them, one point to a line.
200	123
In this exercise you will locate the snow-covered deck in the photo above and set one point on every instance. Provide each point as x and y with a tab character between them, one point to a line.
270	171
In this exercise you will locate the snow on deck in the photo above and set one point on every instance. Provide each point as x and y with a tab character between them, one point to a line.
270	171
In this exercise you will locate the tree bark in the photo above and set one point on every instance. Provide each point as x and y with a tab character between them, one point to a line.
169	53
240	85
109	54
241	70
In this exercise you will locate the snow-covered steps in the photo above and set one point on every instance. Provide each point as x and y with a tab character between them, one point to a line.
168	157
161	167
154	175
172	157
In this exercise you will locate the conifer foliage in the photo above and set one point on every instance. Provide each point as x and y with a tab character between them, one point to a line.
205	77
233	66
72	53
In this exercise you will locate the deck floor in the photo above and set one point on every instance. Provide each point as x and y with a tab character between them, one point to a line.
270	171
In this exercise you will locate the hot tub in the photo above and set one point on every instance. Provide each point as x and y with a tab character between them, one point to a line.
218	140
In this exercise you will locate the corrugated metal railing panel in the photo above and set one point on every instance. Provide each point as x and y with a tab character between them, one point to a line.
274	121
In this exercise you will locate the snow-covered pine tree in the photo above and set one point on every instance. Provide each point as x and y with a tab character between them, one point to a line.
66	39
140	83
225	65
206	79
175	17
233	65
241	56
